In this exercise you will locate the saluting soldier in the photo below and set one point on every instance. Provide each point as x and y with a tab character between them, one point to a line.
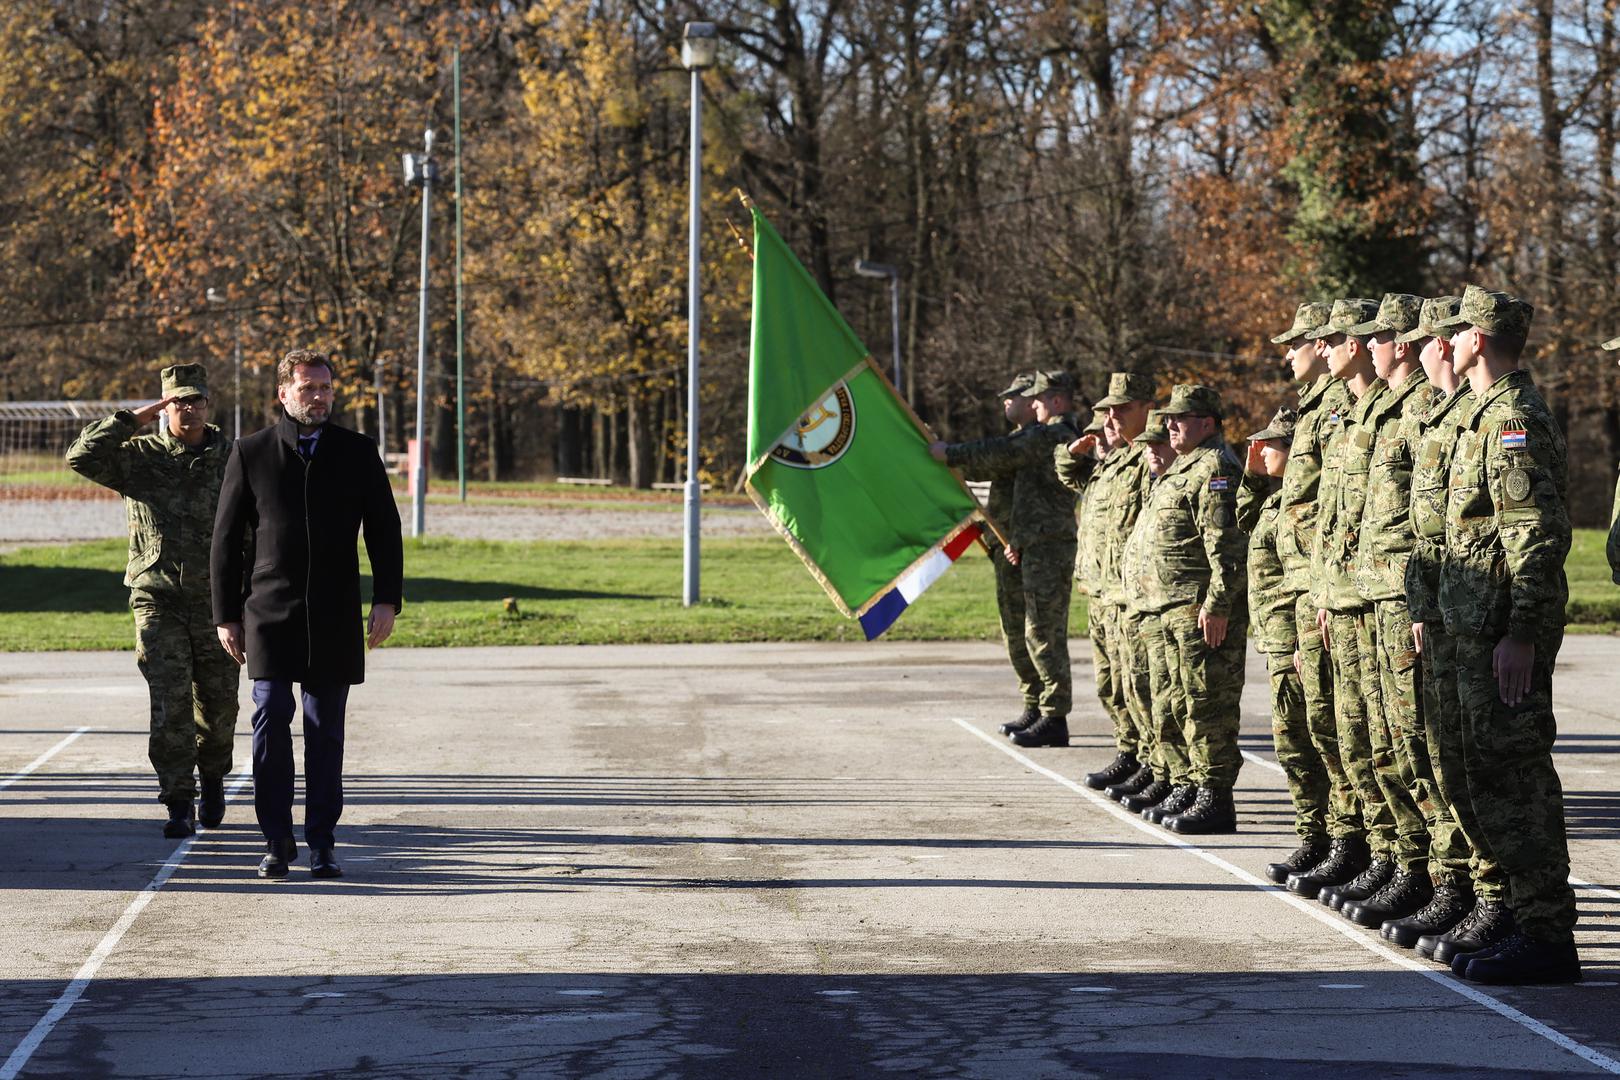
1502	597
1198	585
170	480
1041	535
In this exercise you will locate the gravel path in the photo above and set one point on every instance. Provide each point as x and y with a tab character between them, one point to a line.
55	521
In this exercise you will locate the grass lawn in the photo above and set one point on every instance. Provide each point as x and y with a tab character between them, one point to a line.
571	593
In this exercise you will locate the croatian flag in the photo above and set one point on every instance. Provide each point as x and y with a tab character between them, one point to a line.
927	570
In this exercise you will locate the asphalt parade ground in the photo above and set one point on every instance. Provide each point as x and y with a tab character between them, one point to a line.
763	860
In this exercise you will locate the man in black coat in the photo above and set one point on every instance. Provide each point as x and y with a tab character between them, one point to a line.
305	490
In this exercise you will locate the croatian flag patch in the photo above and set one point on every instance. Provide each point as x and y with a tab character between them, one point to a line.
1513	439
1218	483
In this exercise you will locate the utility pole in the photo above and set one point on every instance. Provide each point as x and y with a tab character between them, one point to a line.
461	387
698	47
420	171
887	270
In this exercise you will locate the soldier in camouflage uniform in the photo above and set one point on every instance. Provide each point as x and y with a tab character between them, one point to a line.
1161	698
1115	497
1323	401
1466	877
1271	617
1041	539
1502	597
1020	413
170	481
1197	582
1379	453
1082	466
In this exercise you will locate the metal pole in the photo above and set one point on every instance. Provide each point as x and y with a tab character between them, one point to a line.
461	399
382	415
894	328
419	480
694	492
236	334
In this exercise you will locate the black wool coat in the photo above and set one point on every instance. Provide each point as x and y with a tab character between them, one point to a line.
299	601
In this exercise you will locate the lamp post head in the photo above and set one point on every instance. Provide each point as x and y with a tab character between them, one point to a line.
699	44
866	268
214	296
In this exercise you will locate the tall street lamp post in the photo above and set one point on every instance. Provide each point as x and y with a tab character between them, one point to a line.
884	270
216	297
421	171
698	47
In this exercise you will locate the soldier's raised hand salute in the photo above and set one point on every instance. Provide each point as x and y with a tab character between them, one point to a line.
153	411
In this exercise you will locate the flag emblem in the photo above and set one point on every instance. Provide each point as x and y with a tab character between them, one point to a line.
821	435
1513	439
1218	483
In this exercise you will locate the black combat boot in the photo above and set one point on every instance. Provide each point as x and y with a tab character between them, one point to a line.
1152	795
1026	719
1447	909
1212	812
1407	891
1132	784
1363	885
1047	731
212	809
1122	766
1492	924
1179	800
1308	854
1347	857
1462	928
1524	961
281	852
182	820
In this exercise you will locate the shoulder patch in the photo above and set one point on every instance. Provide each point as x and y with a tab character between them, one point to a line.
1219	483
1513	437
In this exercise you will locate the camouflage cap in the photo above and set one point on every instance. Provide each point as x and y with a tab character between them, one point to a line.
1193	398
1493	312
1347	315
1281	426
185	380
1125	387
1060	381
1307	318
1155	431
1611	345
1397	311
1020	383
1096	425
1434	309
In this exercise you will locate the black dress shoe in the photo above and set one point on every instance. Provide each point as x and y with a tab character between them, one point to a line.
1122	766
1212	813
1047	731
212	809
1347	857
322	864
1448	907
182	820
1524	961
1308	854
1137	781
1025	719
1363	885
1490	924
1152	795
1407	891
1179	800
281	852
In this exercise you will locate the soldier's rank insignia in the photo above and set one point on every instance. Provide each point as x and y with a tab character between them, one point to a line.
1517	484
1513	438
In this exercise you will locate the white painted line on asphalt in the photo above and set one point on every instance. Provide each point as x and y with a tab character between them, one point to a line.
838	993
582	993
42	759
1091	989
1343	986
326	994
87	971
1598	890
1350	931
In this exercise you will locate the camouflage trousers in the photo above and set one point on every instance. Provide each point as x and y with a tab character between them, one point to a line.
1301	765
1010	606
192	682
1443	728
1108	667
1167	708
1316	679
1046	568
1210	683
1136	677
1389	682
1513	788
1355	737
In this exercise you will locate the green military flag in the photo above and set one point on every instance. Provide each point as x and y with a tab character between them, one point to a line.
836	460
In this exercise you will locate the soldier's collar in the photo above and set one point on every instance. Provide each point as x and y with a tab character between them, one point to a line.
1311	393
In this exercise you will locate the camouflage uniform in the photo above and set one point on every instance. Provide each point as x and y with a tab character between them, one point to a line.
1192	559
1089	479
170	493
1041	527
1507	534
1271	619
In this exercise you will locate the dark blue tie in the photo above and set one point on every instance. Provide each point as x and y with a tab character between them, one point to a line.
306	446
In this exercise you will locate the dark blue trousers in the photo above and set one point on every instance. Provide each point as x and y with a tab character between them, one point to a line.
273	772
